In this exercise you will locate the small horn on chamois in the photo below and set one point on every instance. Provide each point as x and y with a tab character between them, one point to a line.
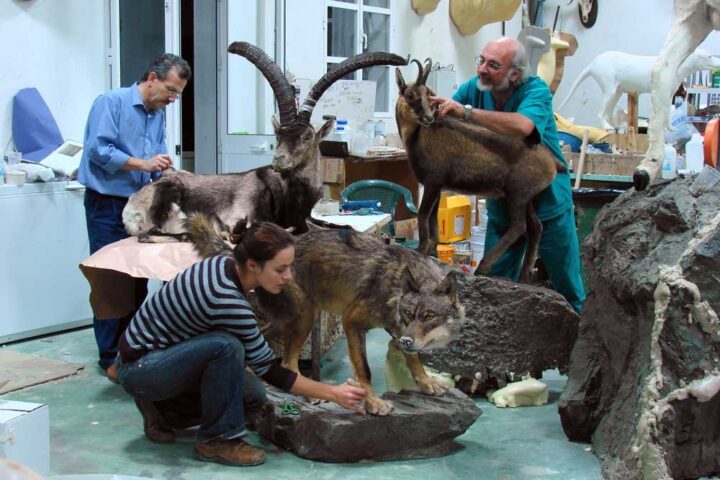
418	81
363	60
427	70
274	75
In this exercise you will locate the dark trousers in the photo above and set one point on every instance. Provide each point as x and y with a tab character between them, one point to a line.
201	380
103	214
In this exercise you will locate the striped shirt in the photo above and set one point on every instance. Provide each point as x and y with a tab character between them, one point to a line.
205	297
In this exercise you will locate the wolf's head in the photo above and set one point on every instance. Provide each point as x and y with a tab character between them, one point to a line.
429	315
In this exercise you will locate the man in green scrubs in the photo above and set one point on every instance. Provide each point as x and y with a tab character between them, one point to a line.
502	97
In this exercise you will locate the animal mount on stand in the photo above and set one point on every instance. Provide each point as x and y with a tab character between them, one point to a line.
552	64
283	193
694	20
457	155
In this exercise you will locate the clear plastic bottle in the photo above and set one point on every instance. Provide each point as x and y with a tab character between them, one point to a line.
694	155
669	168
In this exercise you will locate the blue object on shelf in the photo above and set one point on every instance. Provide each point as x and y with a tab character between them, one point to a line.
358	204
602	146
568	139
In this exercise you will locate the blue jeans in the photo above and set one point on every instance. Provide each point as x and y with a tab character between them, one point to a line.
209	369
559	250
103	214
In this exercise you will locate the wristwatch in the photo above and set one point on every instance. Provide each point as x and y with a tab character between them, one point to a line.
466	112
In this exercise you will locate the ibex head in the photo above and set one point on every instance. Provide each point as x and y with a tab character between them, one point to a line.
417	94
297	141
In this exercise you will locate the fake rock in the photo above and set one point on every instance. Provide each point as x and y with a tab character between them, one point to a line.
645	371
420	426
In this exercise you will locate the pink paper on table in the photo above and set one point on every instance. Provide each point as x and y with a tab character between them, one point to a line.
112	269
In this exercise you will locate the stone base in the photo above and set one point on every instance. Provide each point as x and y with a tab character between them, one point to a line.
420	426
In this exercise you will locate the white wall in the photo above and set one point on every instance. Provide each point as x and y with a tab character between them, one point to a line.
58	47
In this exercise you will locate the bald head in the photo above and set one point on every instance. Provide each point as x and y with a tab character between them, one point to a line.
511	54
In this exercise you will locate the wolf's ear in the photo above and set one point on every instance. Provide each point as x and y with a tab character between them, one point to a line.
448	286
408	282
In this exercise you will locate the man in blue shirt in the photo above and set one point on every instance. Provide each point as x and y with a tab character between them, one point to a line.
505	99
124	149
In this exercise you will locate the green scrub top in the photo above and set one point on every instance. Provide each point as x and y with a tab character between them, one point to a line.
534	100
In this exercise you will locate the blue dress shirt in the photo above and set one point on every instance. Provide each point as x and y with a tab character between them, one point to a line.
118	128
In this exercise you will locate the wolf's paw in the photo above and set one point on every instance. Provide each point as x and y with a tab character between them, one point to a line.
431	386
375	405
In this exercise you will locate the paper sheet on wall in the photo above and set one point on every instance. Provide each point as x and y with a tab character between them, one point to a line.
346	99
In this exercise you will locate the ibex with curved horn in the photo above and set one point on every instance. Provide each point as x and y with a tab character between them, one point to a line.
283	193
453	154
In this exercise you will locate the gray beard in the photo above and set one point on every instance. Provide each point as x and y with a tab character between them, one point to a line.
502	88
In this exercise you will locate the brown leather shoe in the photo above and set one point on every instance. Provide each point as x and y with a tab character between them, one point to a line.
111	373
153	424
233	452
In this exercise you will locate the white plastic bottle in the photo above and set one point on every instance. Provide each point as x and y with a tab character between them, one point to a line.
694	155
669	168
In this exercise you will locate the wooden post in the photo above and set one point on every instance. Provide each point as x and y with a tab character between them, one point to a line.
581	160
632	112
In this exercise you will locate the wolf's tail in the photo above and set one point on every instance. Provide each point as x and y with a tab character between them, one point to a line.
204	237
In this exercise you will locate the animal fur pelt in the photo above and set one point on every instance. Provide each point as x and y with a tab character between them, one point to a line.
372	285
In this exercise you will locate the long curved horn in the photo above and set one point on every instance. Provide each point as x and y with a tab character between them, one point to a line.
418	81
428	68
281	87
363	60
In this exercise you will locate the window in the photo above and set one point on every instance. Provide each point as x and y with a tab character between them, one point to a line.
347	35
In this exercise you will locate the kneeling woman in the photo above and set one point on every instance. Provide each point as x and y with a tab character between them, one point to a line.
184	353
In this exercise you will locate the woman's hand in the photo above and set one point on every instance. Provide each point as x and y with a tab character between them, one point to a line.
350	395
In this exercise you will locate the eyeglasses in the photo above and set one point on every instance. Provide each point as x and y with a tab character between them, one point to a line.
492	64
172	90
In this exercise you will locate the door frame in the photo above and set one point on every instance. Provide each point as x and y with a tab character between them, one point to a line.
173	112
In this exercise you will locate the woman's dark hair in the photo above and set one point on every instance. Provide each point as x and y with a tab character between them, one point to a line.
164	63
260	242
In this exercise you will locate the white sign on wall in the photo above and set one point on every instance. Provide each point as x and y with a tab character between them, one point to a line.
346	99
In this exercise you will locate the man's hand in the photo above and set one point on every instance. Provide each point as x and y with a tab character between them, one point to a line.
158	163
448	106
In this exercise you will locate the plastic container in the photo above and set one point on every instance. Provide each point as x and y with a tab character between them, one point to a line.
445	253
453	218
15	177
669	168
706	180
694	154
477	244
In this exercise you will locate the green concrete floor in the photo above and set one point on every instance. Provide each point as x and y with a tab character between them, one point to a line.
95	429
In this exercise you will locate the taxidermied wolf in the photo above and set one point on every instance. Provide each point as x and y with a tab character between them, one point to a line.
284	193
372	285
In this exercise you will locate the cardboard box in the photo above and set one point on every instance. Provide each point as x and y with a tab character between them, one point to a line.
25	434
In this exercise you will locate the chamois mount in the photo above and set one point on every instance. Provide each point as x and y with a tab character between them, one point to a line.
283	193
453	154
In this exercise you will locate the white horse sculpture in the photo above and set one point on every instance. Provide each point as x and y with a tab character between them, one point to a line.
617	73
694	20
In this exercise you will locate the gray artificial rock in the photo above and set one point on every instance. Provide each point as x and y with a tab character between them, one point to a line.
645	370
420	426
510	330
